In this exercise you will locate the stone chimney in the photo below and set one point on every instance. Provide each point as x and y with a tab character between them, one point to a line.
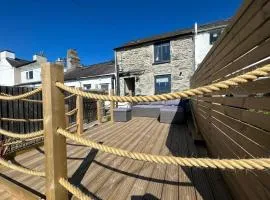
7	54
40	57
73	59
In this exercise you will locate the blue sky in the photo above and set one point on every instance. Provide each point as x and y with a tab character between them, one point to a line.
95	27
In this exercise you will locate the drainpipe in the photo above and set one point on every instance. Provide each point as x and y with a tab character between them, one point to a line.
194	46
117	84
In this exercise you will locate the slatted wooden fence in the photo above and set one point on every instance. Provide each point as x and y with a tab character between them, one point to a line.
21	109
89	107
236	122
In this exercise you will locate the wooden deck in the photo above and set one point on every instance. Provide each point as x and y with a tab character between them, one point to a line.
105	176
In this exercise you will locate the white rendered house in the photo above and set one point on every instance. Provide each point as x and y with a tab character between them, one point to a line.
204	38
15	71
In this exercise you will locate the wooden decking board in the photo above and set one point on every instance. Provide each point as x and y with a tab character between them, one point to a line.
203	190
186	187
95	169
170	191
138	189
111	177
110	135
111	160
154	189
134	167
34	163
216	182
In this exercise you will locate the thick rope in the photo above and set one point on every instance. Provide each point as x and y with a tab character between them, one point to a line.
68	97
72	112
241	164
73	190
28	100
32	100
21	136
249	76
20	120
21	169
21	141
21	96
71	126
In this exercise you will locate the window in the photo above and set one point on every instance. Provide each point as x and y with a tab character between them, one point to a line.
214	36
162	84
87	86
162	52
29	75
104	86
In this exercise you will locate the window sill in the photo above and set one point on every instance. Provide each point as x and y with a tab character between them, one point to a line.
161	62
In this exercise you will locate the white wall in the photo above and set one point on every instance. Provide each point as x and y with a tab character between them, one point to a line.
6	73
35	67
95	82
202	46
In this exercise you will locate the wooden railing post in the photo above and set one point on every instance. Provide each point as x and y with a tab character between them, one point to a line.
79	118
55	144
66	117
112	105
99	111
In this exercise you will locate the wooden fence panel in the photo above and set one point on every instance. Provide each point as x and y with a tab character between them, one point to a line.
235	122
20	109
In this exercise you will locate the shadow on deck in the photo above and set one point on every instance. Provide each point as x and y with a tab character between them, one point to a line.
105	176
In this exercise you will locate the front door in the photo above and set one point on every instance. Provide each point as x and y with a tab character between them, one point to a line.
130	86
162	84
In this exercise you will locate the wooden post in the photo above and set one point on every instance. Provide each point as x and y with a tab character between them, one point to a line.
66	117
55	144
79	118
99	111
112	105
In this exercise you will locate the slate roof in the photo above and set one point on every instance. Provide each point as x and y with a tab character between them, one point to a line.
18	62
99	69
174	34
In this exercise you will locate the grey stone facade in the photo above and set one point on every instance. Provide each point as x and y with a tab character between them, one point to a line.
138	62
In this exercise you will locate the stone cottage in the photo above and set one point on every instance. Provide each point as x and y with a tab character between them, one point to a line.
160	64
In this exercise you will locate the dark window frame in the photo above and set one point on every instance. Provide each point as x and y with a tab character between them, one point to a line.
87	86
169	76
30	75
160	47
213	39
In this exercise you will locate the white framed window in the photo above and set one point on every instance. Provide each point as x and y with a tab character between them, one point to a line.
29	75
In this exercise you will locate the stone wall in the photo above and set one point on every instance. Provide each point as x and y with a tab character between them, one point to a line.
142	58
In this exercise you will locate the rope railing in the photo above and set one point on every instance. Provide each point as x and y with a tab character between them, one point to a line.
240	164
71	126
70	96
73	190
72	112
20	120
249	76
22	136
21	169
21	96
21	141
28	100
